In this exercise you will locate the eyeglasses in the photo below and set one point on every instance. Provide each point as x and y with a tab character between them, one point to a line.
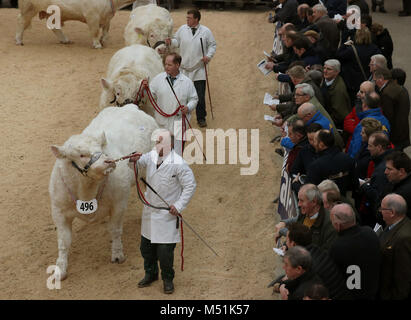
300	94
381	209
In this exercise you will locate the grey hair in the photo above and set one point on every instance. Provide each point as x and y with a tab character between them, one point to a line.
299	256
312	193
333	63
397	204
327	185
306	88
380	60
308	108
344	217
321	8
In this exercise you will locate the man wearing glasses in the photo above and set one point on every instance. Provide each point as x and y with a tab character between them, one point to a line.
395	276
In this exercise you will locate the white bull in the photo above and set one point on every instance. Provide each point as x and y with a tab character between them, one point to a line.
127	68
149	25
115	132
96	13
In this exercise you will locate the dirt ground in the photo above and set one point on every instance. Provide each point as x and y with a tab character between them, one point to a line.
51	91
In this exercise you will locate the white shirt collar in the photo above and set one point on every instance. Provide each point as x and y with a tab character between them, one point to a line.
328	83
313	217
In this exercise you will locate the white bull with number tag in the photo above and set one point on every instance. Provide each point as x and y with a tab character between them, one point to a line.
84	185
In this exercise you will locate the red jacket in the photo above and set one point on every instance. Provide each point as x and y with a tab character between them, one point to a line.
350	122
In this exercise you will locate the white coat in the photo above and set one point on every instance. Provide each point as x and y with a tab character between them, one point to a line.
190	50
186	93
174	181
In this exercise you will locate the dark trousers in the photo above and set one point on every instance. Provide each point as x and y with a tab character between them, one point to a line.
406	6
378	3
201	112
153	252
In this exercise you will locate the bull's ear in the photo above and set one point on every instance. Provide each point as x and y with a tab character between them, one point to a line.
139	31
107	84
103	139
58	152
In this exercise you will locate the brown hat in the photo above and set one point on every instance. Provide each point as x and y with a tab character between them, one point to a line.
312	33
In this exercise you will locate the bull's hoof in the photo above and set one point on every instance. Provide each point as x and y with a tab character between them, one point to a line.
97	46
118	259
66	42
19	43
63	276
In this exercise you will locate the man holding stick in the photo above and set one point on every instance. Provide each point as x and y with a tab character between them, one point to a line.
172	183
169	89
197	47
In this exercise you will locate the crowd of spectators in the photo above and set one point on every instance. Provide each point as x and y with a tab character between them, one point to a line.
344	124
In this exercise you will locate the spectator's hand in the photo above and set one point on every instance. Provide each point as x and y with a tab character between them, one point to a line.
279	226
283	292
269	65
173	211
273	107
167	41
278	120
184	110
276	287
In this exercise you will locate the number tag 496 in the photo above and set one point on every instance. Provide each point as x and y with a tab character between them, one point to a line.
86	207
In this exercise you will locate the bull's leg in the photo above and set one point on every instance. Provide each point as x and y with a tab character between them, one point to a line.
61	36
104	37
115	227
94	28
64	240
23	22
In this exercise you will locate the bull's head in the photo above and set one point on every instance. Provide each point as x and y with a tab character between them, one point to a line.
122	91
156	33
85	152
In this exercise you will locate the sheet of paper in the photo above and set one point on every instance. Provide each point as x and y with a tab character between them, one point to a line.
268	100
279	252
338	17
268	118
261	66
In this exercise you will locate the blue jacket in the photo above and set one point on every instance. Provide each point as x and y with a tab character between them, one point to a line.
321	120
355	144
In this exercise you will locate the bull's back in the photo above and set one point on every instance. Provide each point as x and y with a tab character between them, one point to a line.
69	9
127	129
135	56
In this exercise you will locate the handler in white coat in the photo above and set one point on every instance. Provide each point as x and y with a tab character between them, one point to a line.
187	38
174	181
186	94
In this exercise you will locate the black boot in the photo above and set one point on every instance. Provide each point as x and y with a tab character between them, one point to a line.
168	286
147	280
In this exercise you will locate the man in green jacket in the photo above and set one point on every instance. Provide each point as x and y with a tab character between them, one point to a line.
337	100
314	216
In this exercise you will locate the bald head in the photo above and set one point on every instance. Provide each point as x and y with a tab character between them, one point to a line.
306	111
367	87
342	216
396	203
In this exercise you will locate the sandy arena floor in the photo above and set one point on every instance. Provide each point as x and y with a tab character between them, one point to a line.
50	91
